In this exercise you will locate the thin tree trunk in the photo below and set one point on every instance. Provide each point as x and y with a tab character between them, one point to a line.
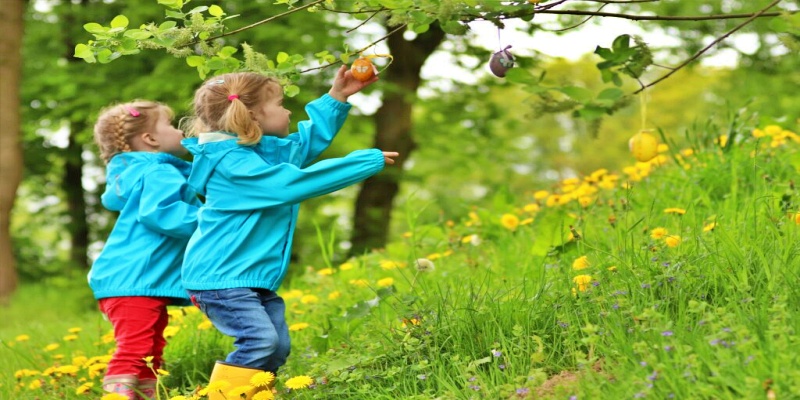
11	17
393	125
72	184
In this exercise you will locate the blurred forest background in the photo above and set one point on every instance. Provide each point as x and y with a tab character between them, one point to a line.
468	144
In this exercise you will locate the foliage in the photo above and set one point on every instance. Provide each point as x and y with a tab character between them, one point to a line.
671	278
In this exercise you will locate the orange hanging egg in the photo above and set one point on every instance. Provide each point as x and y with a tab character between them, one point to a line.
363	69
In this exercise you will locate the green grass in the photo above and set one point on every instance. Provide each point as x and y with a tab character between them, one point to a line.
713	317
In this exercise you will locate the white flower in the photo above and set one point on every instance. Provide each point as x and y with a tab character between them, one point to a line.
425	265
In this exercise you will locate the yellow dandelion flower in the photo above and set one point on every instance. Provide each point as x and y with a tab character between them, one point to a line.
359	282
580	263
189	310
674	210
526	221
531	208
239	392
672	240
74	330
35	384
346	266
473	216
433	256
582	279
84	388
326	271
710	227
773	130
51	346
687	152
205	325
68	370
262	379
722	140
97	370
171	331
79	360
264	395
22	338
293	294
309	299
23	373
662	148
298	326
612	268
797	218
58	356
385	282
162	372
179	398
176	314
334	295
299	382
541	194
108	337
509	221
658	233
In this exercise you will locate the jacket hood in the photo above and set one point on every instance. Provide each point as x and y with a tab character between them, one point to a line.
125	171
206	157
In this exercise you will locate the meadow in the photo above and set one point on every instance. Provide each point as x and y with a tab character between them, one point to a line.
675	278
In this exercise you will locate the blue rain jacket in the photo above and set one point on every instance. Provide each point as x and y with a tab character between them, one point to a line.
157	215
252	195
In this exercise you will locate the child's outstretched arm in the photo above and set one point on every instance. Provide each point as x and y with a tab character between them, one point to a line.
346	85
285	184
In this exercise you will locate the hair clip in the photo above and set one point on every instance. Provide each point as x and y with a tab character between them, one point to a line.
132	111
233	97
216	82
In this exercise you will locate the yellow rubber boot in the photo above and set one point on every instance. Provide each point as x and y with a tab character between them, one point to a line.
237	377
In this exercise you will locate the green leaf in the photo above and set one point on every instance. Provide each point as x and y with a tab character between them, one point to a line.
612	94
454	28
167	25
216	11
204	35
120	21
195	61
621	43
282	57
137	34
198	10
104	56
85	52
591	112
176	4
419	28
227	51
94	27
603	52
215	63
291	90
175	14
579	94
345	58
521	75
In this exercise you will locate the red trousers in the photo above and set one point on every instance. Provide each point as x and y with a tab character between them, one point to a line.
139	324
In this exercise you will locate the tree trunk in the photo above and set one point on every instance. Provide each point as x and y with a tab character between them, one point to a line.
393	124
11	17
72	184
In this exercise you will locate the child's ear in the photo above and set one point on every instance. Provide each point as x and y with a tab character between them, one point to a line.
149	139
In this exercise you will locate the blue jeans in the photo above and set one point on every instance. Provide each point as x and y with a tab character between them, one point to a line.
255	318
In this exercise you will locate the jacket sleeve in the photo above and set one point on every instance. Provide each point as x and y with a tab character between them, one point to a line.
264	186
162	207
326	116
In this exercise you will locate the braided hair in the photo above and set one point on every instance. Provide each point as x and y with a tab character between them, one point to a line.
118	124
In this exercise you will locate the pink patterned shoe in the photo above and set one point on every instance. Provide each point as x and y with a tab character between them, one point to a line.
121	384
147	389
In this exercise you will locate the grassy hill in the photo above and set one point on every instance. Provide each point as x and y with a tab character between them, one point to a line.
675	278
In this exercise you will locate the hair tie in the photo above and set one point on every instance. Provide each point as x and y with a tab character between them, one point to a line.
232	97
132	111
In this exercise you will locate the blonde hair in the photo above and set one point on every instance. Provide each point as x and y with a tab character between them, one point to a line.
119	123
224	102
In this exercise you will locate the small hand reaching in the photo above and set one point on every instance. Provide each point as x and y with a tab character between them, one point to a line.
345	84
387	156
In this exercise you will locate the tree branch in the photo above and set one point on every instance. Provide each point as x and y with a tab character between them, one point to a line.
264	21
357	51
470	18
710	45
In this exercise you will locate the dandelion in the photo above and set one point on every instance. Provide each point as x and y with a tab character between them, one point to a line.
582	281
359	282
388	265
298	326
262	379
214	387
334	295
385	282
68	370
299	382
658	233
425	265
293	294
171	331
326	271
612	268
672	240
531	208
51	346
263	395
509	221
710	227
673	210
22	338
179	398
205	325
114	396
346	266
434	256
84	388
309	299
162	372
541	194
580	263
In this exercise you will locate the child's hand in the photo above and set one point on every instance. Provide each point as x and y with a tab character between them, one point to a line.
345	84
387	156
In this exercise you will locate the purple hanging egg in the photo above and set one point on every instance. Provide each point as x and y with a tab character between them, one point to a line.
501	62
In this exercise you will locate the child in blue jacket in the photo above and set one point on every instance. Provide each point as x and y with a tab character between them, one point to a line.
137	274
254	175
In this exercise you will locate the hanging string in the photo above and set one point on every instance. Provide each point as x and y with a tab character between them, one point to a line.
499	42
643	109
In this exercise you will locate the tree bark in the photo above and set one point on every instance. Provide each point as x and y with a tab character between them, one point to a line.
72	184
11	19
393	125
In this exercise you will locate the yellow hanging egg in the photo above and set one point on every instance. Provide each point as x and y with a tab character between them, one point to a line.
644	146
